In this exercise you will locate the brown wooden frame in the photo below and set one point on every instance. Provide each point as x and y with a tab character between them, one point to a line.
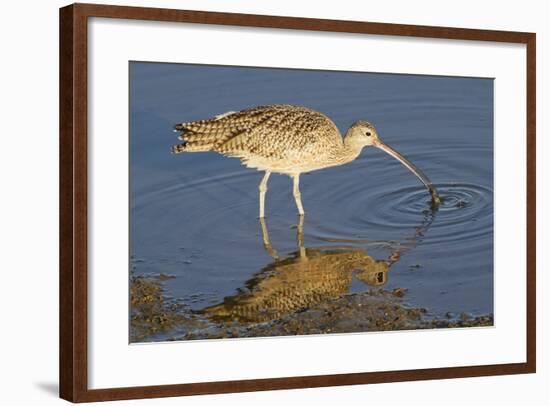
73	362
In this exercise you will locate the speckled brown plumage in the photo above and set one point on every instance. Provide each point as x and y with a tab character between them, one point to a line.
281	138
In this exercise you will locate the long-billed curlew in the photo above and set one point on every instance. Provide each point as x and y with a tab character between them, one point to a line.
285	139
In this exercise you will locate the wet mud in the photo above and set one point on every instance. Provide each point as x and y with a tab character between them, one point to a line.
156	318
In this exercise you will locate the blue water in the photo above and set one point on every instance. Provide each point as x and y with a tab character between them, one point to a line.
194	216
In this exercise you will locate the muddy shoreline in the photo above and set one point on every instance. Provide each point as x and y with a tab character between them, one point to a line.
157	318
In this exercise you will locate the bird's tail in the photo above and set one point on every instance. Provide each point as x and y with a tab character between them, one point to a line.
192	141
190	147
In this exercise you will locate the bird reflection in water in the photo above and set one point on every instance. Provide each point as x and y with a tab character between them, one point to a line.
305	278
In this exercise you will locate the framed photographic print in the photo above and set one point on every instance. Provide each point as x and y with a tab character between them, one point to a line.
255	202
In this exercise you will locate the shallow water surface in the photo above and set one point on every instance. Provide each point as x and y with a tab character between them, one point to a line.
368	224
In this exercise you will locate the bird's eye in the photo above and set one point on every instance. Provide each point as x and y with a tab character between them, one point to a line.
368	134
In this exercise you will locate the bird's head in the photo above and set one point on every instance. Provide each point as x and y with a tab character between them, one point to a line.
363	134
373	272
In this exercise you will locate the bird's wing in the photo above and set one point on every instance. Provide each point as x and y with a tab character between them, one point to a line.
271	131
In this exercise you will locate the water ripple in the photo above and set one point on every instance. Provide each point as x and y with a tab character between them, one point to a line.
464	214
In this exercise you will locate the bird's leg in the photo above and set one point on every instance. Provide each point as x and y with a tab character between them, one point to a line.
297	195
300	237
263	189
267	242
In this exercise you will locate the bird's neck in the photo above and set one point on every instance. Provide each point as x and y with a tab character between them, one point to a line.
350	152
347	154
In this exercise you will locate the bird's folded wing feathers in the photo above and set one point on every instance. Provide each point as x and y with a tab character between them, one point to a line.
266	131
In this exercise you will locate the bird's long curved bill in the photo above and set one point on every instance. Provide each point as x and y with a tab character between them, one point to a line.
433	191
